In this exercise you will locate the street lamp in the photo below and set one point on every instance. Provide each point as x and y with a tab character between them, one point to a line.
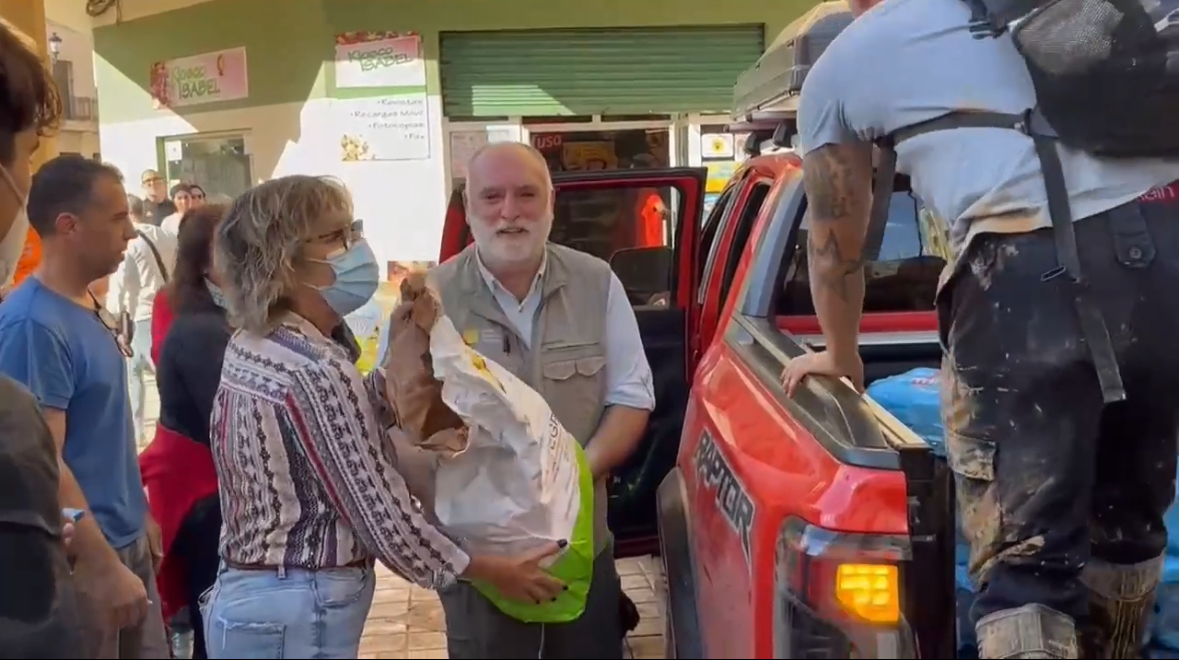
54	46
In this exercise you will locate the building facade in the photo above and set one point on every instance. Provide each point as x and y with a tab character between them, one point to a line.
392	97
72	59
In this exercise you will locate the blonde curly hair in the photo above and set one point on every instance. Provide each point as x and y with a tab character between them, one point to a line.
260	240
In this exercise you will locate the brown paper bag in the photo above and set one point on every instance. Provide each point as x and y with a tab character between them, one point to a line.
414	393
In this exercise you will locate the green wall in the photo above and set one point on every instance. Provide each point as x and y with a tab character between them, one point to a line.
288	41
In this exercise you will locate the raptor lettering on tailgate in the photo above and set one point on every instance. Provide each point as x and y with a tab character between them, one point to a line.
731	497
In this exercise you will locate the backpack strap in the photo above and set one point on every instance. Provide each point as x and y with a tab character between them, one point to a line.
991	18
1032	124
156	254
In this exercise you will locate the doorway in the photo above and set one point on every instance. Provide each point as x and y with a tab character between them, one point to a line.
216	163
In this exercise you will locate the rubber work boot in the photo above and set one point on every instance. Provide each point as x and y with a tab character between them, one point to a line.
1120	601
1031	631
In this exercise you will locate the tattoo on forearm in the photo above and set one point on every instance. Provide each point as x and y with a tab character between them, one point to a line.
833	270
828	177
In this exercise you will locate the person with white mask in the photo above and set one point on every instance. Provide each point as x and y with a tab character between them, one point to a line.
302	446
37	605
560	320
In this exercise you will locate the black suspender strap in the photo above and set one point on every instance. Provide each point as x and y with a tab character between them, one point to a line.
886	169
1093	326
1030	123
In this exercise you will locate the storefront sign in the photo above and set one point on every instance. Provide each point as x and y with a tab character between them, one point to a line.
208	78
383	128
379	59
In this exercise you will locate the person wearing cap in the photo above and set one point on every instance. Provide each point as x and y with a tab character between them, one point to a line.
156	204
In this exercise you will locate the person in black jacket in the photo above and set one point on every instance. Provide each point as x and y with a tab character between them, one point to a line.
177	467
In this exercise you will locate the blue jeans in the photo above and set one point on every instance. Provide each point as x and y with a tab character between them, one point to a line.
287	613
138	366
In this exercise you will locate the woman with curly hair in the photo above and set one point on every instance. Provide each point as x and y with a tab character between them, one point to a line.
311	492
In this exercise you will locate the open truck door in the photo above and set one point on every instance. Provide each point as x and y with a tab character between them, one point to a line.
599	212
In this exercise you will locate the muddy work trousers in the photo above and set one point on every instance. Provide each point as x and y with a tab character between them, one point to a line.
1061	496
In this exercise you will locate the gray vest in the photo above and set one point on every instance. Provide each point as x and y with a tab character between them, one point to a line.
564	360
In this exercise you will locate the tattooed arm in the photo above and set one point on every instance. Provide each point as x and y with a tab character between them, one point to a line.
838	183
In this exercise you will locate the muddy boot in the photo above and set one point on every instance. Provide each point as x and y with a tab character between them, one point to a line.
1031	631
1120	601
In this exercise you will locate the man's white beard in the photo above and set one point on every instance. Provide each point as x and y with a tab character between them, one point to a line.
498	250
13	246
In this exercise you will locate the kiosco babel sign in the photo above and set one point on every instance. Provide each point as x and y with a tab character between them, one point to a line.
206	78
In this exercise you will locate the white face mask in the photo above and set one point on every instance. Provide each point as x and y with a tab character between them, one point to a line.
13	244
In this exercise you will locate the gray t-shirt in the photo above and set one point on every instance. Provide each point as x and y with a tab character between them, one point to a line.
908	61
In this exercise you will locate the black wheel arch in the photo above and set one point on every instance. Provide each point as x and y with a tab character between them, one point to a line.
679	570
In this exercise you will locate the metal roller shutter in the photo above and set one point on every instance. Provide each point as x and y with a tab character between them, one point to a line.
612	71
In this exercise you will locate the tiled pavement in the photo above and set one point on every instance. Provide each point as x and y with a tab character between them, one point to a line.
407	622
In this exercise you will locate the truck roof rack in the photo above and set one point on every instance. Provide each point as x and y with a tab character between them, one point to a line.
766	94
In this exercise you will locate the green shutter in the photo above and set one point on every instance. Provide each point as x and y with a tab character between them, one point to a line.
582	72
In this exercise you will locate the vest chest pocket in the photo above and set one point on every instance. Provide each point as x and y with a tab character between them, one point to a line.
574	383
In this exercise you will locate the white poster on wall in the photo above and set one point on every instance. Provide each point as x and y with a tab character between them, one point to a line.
464	145
367	59
383	128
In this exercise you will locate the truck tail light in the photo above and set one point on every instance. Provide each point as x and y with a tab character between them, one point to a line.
837	595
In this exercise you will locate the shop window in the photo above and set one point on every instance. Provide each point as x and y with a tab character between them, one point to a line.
575	151
217	164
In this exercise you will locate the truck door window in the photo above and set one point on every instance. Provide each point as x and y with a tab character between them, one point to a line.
749	213
604	221
902	279
709	234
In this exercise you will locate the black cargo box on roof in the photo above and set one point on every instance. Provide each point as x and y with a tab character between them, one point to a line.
770	87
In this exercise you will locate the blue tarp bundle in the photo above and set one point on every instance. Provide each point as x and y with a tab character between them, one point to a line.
914	399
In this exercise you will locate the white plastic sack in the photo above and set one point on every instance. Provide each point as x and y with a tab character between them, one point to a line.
517	484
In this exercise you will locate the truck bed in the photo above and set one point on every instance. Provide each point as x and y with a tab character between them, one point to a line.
858	433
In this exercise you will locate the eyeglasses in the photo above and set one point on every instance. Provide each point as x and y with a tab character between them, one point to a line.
347	236
108	320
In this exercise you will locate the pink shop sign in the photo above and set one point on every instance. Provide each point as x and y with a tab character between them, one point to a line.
206	78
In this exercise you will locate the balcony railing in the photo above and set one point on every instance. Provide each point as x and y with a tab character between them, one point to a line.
80	108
